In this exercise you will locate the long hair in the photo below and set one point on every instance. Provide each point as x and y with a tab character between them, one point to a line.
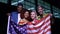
35	14
37	9
23	12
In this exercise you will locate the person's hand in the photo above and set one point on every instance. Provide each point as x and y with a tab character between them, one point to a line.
50	14
8	14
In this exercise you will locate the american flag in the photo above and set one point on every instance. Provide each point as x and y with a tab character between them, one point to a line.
14	28
41	26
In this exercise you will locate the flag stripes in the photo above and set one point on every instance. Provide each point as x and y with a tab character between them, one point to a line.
42	27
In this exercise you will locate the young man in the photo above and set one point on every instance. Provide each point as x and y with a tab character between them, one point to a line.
31	29
46	19
41	12
16	15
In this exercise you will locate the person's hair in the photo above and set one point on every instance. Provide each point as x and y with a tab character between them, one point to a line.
25	12
22	15
34	12
37	9
19	4
40	6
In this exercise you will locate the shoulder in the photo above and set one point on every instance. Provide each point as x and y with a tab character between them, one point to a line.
38	17
14	12
45	14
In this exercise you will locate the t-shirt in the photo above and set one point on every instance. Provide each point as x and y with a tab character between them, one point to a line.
39	17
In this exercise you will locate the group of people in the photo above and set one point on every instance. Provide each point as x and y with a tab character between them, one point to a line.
26	17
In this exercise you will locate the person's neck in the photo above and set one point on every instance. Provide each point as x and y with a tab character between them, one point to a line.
34	19
25	18
19	11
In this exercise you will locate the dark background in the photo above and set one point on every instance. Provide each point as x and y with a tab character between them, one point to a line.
7	8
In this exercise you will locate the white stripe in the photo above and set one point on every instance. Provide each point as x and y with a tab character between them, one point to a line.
19	18
33	31
30	26
45	24
49	32
47	28
8	25
42	22
41	32
39	24
47	18
28	31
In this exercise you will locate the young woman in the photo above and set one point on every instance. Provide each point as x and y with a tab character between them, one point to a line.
36	26
23	22
31	25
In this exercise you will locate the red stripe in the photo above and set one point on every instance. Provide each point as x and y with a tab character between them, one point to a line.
47	26
36	32
44	24
36	27
40	31
38	21
47	31
39	26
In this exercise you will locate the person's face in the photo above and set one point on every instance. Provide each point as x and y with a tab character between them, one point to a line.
19	8
40	10
26	14
33	15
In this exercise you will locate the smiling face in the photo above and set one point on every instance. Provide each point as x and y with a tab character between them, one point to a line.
26	14
19	8
33	15
40	10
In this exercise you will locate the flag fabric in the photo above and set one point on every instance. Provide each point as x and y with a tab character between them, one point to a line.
14	28
41	26
17	29
8	25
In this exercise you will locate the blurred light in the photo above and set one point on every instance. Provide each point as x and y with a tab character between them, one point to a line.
57	16
31	8
55	13
17	2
